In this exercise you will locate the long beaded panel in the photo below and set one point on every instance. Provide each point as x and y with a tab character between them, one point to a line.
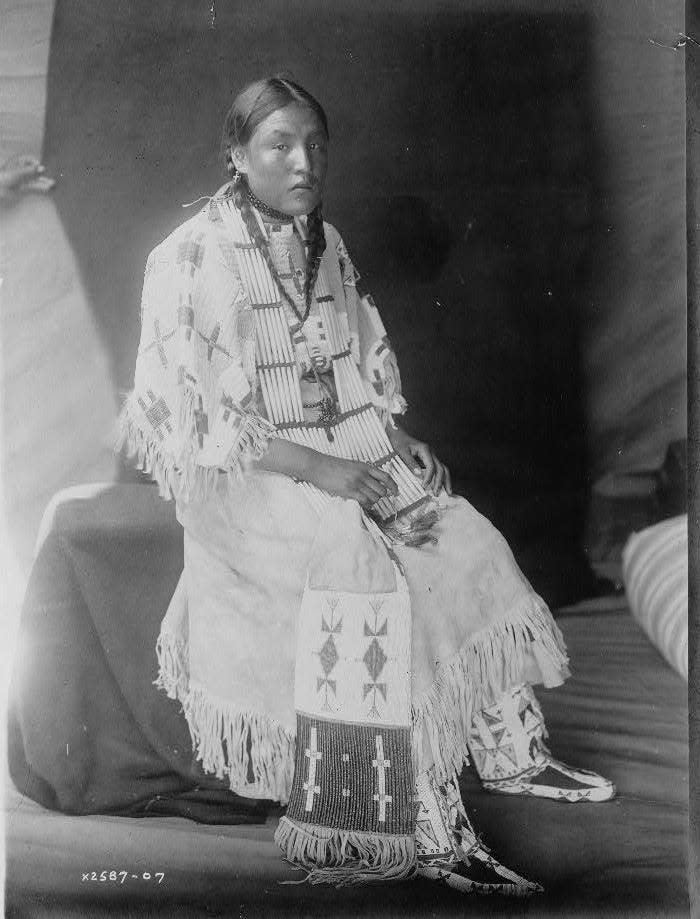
357	433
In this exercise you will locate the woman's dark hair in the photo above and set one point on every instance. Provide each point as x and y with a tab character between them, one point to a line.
258	100
250	108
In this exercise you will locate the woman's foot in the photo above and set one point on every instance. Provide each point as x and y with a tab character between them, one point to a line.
449	850
507	744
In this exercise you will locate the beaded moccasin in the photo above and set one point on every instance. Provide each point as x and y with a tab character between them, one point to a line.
449	850
507	745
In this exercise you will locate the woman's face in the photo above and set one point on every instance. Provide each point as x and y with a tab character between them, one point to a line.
285	160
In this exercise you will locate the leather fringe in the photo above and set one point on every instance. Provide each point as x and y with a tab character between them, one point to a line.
254	752
343	857
491	662
182	477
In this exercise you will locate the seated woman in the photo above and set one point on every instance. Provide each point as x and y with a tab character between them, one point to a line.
346	632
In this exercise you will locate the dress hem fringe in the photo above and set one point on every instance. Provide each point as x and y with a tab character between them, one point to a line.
488	664
236	744
254	752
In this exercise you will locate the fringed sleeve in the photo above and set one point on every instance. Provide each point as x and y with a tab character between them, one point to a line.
369	342
191	414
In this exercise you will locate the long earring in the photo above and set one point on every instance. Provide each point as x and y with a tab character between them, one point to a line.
233	172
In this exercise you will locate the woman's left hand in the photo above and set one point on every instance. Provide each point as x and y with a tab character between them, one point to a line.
420	459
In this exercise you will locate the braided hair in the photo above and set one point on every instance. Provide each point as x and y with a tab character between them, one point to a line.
250	108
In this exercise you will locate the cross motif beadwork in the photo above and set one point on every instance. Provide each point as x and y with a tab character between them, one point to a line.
381	765
313	754
159	342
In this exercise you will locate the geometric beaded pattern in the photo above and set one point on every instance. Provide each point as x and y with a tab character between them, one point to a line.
506	738
354	656
352	777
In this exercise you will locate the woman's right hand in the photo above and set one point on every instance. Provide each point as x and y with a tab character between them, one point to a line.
351	479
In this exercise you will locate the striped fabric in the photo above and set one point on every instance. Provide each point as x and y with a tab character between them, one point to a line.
655	573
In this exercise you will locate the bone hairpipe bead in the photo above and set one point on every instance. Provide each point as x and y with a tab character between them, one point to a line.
364	425
339	388
340	432
355	396
322	442
382	436
252	258
262	313
270	287
401	473
274	396
267	399
347	451
318	441
359	397
272	338
261	271
275	331
362	447
259	350
265	395
273	316
343	385
304	437
412	488
256	268
275	378
284	334
366	420
356	443
350	371
358	382
285	395
311	434
247	270
293	386
261	337
267	344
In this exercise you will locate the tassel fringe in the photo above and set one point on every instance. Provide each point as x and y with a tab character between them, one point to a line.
173	666
182	477
253	751
250	748
483	669
343	857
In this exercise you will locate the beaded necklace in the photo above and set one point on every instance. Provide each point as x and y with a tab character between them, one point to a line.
328	413
280	217
265	209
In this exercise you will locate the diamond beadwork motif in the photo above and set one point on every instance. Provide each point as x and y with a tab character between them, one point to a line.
374	659
328	655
